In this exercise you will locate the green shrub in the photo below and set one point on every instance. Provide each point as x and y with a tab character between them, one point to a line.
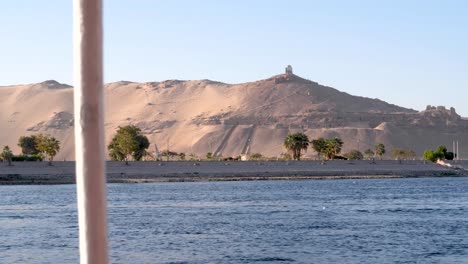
449	155
286	156
433	155
255	156
35	157
354	155
429	155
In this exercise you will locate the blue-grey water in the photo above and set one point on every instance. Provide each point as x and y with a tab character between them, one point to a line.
340	221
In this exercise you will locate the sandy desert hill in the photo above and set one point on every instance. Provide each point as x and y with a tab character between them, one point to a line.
229	119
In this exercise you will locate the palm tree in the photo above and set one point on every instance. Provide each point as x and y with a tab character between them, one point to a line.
6	155
319	145
295	143
48	145
333	147
379	150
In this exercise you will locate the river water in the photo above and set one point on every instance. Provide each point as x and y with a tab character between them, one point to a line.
330	221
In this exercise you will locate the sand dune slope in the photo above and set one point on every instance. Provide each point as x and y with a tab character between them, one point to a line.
229	119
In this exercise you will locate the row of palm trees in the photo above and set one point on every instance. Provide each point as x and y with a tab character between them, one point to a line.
298	142
328	148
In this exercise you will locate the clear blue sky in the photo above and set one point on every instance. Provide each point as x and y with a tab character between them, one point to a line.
410	53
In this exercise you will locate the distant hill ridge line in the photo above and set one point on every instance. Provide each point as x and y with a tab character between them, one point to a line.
280	78
53	84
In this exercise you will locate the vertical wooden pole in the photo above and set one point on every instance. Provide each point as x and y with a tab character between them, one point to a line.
89	130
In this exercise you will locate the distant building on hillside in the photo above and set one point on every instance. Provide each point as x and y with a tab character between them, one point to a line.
289	69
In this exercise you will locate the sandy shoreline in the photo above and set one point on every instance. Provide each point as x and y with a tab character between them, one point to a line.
189	171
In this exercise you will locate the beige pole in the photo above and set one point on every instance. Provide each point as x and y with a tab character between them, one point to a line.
89	130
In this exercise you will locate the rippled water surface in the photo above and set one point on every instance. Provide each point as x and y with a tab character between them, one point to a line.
341	221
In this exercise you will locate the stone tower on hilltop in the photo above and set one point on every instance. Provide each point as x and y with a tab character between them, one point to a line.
289	70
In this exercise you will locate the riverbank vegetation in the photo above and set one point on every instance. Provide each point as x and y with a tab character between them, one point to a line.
296	143
36	147
129	143
440	153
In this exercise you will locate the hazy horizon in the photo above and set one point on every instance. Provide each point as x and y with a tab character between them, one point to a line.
408	54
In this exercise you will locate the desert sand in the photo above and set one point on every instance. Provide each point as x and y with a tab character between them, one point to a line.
201	116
